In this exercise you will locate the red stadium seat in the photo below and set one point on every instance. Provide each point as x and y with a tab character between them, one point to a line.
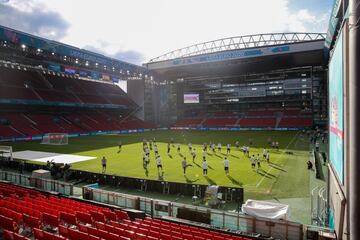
38	234
98	216
84	217
68	218
50	219
8	235
63	231
111	216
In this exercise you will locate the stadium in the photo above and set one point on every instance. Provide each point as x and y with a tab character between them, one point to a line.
244	137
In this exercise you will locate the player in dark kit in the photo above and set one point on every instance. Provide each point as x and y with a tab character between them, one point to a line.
120	147
168	148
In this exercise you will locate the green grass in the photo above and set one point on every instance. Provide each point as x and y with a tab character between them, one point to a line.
286	177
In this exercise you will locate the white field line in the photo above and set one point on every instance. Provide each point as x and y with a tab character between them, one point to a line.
271	168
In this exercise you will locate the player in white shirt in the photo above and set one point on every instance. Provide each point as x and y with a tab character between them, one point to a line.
156	149
226	166
268	158
219	147
158	163
145	161
228	148
185	165
190	147
237	144
204	155
178	147
258	160
205	167
248	151
213	147
252	159
193	154
264	153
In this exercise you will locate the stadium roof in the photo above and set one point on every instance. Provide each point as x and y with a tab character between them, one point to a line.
239	42
244	54
17	37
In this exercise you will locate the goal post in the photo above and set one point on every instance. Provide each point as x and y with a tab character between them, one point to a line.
6	152
55	139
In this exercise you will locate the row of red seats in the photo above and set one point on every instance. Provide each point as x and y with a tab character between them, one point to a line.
29	85
7	189
64	221
8	131
296	122
245	122
220	122
32	209
188	122
168	230
39	124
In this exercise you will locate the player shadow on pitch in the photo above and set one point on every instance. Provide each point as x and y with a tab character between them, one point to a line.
234	156
234	181
217	156
170	156
146	172
277	167
210	181
161	175
198	165
265	174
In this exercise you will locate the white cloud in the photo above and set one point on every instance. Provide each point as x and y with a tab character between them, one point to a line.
305	21
33	17
158	26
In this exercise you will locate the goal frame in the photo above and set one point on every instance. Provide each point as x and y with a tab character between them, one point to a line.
6	149
55	139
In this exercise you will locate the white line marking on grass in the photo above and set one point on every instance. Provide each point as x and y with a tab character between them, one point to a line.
271	168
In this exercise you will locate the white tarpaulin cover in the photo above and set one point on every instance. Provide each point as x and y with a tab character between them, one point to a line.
48	156
266	209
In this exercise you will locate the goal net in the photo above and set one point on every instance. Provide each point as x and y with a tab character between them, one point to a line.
6	152
55	139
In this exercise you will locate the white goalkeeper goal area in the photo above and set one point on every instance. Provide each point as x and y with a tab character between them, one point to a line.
55	139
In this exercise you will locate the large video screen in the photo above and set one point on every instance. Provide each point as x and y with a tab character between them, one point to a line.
191	98
336	110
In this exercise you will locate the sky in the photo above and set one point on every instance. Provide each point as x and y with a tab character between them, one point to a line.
139	30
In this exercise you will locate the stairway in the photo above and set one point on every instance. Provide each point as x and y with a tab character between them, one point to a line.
202	122
279	116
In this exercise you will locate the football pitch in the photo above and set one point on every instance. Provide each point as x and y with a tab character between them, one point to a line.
285	177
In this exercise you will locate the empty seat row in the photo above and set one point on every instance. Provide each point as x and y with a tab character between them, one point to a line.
40	218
